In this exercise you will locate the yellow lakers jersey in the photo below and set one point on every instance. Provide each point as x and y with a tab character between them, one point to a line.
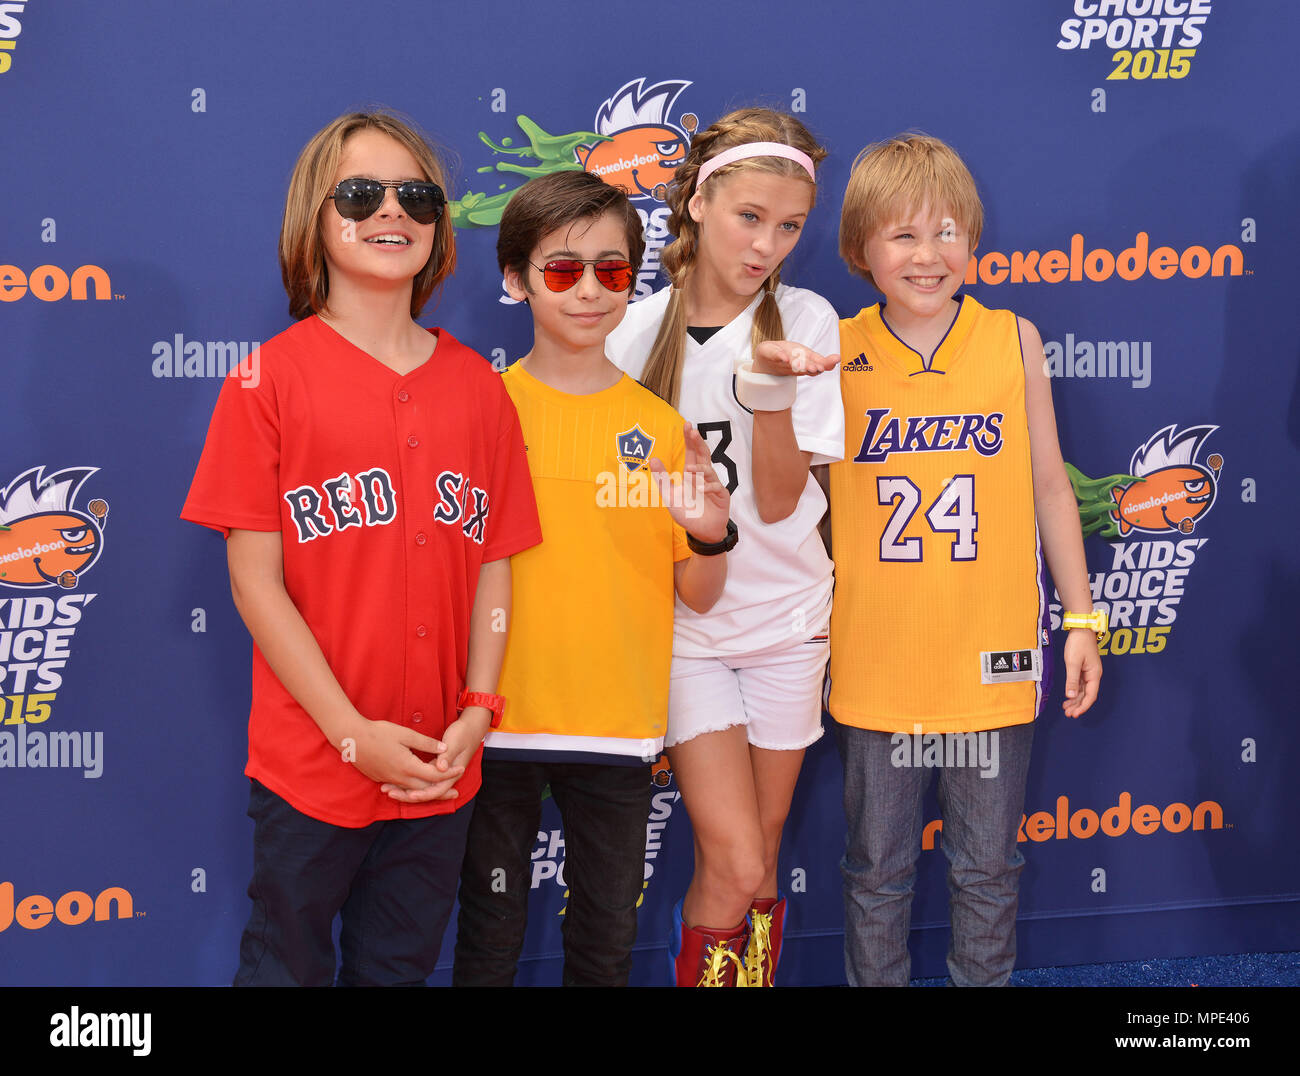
591	632
938	622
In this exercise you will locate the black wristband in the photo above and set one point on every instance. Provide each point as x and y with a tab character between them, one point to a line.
712	549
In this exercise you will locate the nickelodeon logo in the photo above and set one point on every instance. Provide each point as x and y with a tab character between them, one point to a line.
1112	822
71	909
50	283
1132	263
623	164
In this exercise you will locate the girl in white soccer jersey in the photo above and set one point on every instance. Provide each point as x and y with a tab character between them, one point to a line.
745	699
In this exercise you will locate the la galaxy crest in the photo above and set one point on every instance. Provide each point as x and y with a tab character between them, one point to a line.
633	448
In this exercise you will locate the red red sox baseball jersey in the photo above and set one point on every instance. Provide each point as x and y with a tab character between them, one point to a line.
389	492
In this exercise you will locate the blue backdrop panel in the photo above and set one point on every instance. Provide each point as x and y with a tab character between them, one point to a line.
1137	160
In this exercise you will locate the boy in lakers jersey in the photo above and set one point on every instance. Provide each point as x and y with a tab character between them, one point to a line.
586	668
951	490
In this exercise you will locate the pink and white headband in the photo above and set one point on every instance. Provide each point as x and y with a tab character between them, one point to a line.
754	149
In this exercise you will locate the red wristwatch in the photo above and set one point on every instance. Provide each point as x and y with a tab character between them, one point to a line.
495	703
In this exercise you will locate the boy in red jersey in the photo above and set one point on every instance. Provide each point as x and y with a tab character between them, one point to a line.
952	471
372	487
586	669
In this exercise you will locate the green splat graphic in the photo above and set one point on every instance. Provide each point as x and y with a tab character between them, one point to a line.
1096	501
554	153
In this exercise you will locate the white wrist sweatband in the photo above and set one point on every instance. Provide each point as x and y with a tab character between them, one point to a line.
764	392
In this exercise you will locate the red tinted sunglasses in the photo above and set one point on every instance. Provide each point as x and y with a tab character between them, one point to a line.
561	274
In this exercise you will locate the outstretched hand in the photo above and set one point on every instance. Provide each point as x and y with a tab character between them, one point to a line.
789	359
700	503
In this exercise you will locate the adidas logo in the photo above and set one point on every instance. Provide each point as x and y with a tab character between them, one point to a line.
1001	663
860	363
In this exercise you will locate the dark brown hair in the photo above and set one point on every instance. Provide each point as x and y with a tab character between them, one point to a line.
548	203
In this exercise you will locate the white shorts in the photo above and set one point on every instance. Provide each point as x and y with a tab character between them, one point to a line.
776	694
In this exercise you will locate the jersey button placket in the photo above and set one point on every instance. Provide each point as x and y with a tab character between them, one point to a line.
420	556
402	396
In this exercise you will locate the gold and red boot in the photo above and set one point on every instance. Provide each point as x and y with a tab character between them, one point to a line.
702	956
767	928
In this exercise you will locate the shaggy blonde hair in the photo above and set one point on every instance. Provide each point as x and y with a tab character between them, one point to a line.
893	179
302	253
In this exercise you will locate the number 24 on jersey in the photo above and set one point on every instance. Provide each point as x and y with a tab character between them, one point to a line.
952	512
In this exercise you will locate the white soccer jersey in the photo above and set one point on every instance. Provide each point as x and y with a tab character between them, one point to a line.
778	576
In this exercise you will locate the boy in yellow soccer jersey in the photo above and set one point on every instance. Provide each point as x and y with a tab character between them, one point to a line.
939	633
585	680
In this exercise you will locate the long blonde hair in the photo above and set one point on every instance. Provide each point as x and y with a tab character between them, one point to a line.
663	369
302	251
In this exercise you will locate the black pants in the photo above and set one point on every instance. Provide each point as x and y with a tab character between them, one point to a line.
393	882
604	809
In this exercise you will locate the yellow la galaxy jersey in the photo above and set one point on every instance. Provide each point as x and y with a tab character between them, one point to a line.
591	631
939	616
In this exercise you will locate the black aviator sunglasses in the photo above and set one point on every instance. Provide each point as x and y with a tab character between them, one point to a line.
357	199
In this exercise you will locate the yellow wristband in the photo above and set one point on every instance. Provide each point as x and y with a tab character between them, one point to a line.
1096	620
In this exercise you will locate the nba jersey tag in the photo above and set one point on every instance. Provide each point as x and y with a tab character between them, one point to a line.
1005	666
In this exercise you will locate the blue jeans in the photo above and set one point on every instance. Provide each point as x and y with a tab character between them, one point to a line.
392	882
981	819
604	809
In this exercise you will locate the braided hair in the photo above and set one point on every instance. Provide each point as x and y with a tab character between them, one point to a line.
663	369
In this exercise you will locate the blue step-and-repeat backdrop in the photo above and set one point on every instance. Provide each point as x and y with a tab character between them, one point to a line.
1139	161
